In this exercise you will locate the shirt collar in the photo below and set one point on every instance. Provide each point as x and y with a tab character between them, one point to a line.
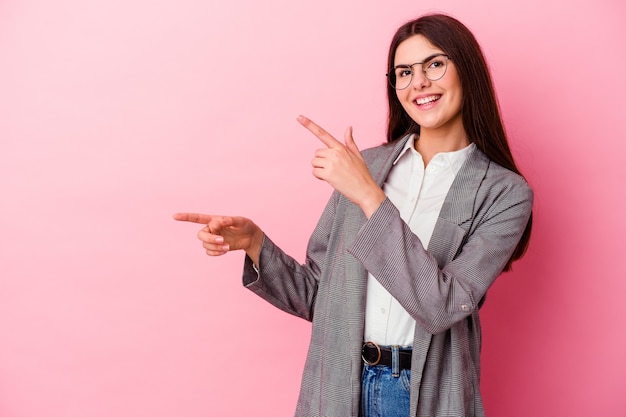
408	145
455	158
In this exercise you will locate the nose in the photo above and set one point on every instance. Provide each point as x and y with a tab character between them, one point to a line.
419	80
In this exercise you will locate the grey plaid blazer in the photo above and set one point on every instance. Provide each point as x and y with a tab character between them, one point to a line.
480	224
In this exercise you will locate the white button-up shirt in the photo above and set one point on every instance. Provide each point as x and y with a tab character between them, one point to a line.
418	194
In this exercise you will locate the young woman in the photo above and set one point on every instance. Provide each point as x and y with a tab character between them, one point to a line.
415	233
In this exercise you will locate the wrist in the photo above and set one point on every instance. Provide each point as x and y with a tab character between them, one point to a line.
372	202
256	243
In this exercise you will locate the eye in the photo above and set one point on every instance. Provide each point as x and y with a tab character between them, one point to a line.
402	72
435	63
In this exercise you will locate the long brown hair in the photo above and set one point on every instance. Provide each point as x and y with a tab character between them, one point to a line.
480	113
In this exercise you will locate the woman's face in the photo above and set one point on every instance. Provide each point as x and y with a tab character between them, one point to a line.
434	105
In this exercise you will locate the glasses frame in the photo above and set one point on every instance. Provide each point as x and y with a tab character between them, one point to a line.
430	58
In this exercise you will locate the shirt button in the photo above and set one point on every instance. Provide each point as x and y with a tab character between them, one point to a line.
383	311
464	307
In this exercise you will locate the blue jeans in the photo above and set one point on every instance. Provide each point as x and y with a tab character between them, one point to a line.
383	394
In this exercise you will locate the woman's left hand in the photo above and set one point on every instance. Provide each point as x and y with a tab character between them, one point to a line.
342	166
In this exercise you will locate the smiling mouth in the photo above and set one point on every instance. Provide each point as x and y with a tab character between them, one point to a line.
426	100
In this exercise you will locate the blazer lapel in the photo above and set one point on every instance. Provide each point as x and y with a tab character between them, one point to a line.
457	212
381	166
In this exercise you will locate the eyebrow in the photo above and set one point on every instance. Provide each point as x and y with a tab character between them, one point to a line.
428	58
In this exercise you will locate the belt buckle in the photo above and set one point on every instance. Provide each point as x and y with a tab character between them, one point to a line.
371	344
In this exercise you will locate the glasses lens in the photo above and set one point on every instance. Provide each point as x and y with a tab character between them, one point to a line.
400	77
435	68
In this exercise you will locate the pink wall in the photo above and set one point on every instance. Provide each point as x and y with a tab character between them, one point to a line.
115	114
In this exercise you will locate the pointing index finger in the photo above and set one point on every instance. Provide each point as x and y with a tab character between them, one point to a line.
193	217
318	131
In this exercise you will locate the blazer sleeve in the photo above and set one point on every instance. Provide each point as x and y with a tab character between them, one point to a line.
437	296
281	280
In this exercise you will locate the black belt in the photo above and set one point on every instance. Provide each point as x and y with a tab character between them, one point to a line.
373	354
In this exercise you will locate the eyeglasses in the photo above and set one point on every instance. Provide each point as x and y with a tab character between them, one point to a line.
434	68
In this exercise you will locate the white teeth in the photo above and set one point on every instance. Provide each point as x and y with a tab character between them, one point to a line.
425	100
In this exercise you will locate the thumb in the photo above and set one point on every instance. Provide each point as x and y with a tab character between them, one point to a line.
349	141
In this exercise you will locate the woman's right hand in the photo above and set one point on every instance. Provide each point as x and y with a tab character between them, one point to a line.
226	233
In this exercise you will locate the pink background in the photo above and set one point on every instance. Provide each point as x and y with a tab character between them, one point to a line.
116	114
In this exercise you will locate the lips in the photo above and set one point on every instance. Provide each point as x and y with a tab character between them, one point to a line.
420	101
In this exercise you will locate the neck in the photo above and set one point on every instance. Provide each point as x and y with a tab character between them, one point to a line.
434	141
